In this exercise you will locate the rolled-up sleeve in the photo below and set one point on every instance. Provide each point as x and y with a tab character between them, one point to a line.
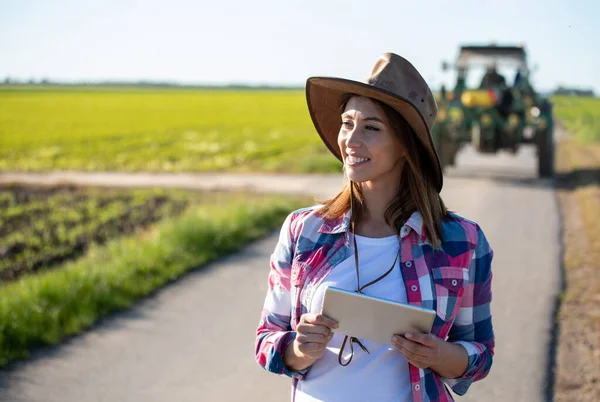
274	332
473	325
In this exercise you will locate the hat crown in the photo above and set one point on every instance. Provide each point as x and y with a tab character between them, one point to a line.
394	74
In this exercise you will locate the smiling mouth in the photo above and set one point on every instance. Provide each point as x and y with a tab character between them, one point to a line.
354	161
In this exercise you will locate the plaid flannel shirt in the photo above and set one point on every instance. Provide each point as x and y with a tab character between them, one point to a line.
455	281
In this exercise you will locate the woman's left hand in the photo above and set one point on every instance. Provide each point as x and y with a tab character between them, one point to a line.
428	351
420	350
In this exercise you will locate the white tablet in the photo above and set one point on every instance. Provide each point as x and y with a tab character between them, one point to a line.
372	318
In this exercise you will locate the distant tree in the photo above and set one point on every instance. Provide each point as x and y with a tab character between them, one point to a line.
561	90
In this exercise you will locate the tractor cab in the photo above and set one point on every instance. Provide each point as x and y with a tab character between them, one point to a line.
493	105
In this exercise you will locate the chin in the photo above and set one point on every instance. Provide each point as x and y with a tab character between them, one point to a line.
357	177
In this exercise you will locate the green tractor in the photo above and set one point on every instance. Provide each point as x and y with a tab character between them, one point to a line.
493	114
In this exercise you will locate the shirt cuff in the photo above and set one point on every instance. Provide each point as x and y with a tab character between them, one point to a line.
461	384
297	374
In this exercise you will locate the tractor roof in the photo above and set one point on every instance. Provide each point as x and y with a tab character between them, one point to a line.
487	55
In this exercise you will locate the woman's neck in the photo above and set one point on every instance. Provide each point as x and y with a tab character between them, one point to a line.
377	198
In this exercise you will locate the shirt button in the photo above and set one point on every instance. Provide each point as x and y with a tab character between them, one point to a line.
408	264
454	282
413	288
417	387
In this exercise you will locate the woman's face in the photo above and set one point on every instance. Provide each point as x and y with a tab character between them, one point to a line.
370	149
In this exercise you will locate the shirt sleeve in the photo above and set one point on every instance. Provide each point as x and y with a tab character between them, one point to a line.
472	328
274	332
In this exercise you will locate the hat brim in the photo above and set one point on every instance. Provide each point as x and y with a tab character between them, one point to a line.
325	96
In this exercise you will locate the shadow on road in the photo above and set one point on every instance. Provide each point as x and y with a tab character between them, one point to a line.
524	177
578	178
512	177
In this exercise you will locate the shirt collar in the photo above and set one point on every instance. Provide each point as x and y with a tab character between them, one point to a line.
338	225
415	222
342	224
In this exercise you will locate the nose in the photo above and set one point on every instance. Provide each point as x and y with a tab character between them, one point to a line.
352	139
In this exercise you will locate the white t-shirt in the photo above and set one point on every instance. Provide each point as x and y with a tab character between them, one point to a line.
383	374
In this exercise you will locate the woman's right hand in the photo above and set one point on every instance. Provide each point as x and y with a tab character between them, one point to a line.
314	331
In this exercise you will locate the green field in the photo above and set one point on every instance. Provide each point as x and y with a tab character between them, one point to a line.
581	116
133	242
168	130
176	130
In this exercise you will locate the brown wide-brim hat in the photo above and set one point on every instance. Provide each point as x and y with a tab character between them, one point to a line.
393	81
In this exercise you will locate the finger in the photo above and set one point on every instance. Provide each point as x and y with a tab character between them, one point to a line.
313	329
415	349
318	319
420	365
413	358
331	323
313	338
311	348
309	318
306	317
424	339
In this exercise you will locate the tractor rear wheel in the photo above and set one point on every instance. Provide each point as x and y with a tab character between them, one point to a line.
545	148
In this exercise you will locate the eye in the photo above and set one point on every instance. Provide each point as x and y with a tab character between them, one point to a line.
372	128
346	123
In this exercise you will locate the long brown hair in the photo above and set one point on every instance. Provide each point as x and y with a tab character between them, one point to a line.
417	177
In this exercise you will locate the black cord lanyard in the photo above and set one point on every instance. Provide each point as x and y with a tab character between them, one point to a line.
359	289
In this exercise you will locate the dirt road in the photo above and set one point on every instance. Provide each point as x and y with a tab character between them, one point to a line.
194	340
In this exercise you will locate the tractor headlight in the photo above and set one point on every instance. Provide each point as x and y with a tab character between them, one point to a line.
535	112
513	120
486	120
456	114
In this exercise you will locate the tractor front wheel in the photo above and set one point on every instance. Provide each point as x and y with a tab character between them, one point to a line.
446	149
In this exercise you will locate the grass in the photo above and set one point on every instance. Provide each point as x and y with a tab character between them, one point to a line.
578	363
41	227
581	116
579	173
167	130
578	182
44	308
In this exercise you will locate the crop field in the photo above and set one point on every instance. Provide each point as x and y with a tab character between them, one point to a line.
41	227
581	116
167	130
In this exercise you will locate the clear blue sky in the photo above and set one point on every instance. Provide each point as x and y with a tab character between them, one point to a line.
285	41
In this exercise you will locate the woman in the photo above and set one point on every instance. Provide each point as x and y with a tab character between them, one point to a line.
389	212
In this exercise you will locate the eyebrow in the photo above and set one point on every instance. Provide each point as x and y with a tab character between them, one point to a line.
374	119
365	119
